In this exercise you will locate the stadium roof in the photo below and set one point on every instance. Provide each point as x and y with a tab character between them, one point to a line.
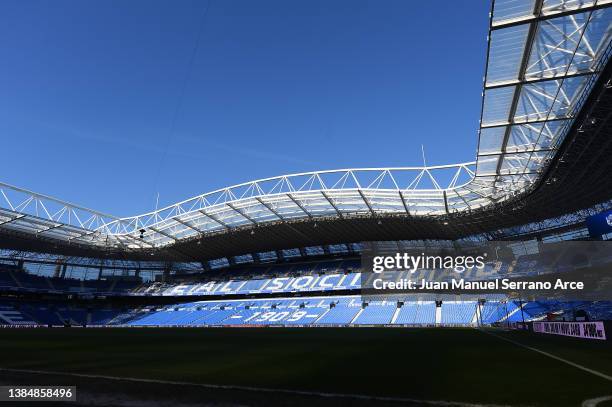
544	57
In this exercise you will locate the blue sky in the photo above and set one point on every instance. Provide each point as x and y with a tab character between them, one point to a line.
105	103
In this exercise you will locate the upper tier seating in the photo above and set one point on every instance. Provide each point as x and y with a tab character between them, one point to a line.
21	280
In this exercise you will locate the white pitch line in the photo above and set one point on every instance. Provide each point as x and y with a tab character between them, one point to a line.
255	389
596	401
550	355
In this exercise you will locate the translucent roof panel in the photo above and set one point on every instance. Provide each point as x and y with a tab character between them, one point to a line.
512	9
557	6
497	105
521	137
598	33
542	57
527	137
505	53
491	140
486	165
519	163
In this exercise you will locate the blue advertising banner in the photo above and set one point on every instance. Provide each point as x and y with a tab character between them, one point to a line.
600	224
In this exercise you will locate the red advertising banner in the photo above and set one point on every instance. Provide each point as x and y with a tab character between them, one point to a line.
587	330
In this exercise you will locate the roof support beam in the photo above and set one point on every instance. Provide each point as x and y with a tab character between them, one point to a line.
12	220
404	203
299	204
582	30
508	175
515	123
139	242
531	33
332	204
118	240
161	232
536	17
539	150
59	225
269	207
445	201
463	199
527	81
367	202
214	219
241	213
83	235
182	222
474	191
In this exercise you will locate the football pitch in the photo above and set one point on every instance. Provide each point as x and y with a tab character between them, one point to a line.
344	366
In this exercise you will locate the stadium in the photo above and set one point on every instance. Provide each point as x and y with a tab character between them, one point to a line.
255	293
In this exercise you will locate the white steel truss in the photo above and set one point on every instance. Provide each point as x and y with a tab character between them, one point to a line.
544	56
412	191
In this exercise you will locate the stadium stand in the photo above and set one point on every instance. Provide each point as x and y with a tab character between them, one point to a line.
492	312
319	311
376	313
319	278
43	314
311	311
9	315
407	314
228	245
458	313
425	314
21	280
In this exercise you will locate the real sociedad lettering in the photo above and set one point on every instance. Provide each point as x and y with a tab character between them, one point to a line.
326	282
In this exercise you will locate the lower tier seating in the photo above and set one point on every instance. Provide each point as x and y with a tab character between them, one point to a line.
312	311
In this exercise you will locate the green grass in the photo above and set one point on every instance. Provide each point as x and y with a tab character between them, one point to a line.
433	364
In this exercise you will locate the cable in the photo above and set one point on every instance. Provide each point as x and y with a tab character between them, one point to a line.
179	103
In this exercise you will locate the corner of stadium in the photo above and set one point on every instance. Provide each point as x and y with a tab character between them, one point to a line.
252	294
